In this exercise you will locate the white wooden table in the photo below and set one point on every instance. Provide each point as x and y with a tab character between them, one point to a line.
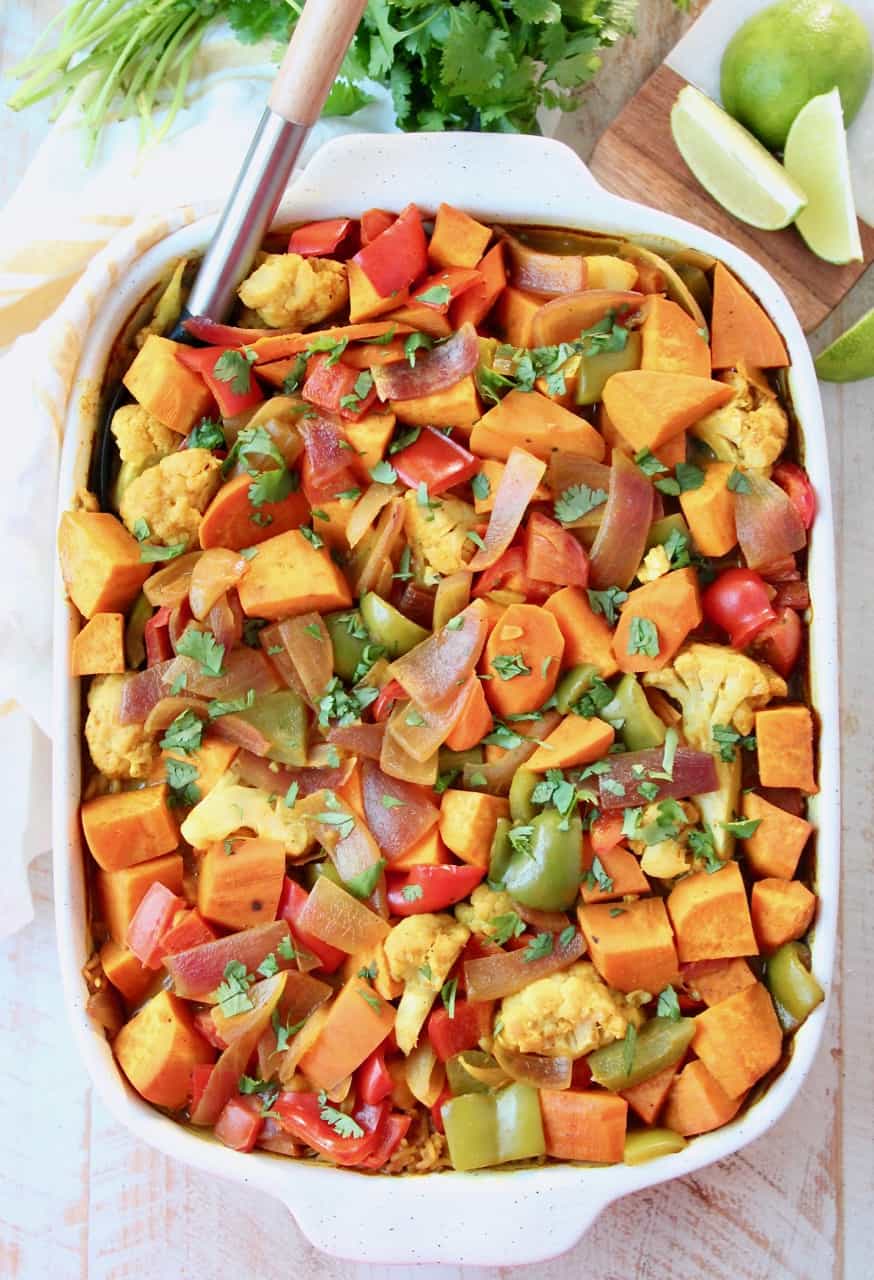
81	1198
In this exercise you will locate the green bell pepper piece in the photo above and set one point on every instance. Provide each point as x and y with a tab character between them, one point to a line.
134	632
457	1076
349	638
316	870
640	727
501	852
546	875
389	627
522	787
661	530
794	989
448	760
484	1129
658	1044
648	1144
282	718
573	684
595	370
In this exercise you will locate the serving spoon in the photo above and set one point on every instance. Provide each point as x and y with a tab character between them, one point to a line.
311	62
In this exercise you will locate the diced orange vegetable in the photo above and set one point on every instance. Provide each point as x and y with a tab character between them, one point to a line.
739	1039
158	1050
604	271
420	317
458	406
125	971
620	866
274	347
584	1125
212	759
672	342
647	407
514	315
576	740
741	329
648	1097
718	984
709	511
290	576
172	393
364	301
357	1023
369	437
776	845
430	851
673	604
352	790
475	303
98	649
467	824
532	637
697	1102
475	720
119	893
128	827
332	522
633	951
531	421
525	729
565	317
230	519
781	911
493	470
784	737
240	881
711	917
373	958
457	240
668	454
100	562
587	635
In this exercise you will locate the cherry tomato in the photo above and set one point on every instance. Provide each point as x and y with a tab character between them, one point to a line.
779	643
794	481
739	603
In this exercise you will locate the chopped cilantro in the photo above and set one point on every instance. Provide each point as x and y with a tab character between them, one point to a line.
184	734
202	647
539	947
447	994
644	637
207	435
437	296
728	738
182	781
383	473
413	343
227	707
605	602
506	926
363	885
344	1126
412	892
577	501
739	483
232	995
742	827
481	486
510	665
152	555
235	367
668	1005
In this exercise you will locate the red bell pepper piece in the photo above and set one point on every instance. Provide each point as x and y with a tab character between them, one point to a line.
317	239
441	887
372	1079
388	694
475	948
552	554
795	482
437	460
203	360
199	1080
374	222
509	571
436	1110
397	256
205	1025
326	467
606	832
151	920
299	1114
393	1134
457	280
338	388
240	1123
188	930
292	901
156	636
451	1035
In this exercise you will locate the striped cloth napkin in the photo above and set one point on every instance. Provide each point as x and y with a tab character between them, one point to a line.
65	235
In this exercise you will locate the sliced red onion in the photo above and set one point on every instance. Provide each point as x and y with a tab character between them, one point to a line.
618	549
493	977
398	813
769	527
693	773
433	371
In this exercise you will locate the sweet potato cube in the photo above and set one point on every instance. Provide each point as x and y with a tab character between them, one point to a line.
777	843
781	911
125	971
697	1102
98	649
240	882
742	332
357	1022
739	1039
119	893
230	519
673	605
467	824
585	1124
605	271
158	1050
587	635
672	342
174	394
648	407
714	985
493	470
621	868
475	303
575	740
212	759
129	827
458	240
784	737
633	951
648	1097
531	421
430	851
458	406
369	437
364	301
514	315
709	511
711	917
668	454
290	576
474	722
100	562
422	318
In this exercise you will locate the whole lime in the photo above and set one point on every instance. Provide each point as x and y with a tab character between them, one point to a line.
789	53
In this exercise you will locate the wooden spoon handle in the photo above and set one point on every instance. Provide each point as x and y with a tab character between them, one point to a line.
312	60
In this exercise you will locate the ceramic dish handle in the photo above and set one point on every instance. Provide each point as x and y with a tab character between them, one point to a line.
323	34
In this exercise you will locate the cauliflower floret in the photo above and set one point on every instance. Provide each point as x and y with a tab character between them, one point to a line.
420	952
751	430
438	534
485	907
566	1015
716	685
670	857
118	750
655	564
291	292
172	496
231	807
141	438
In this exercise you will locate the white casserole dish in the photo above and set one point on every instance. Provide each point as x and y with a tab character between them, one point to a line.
489	1218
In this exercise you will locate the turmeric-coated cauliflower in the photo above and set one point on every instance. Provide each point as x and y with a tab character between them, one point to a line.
142	440
672	856
567	1014
172	496
486	906
420	952
751	430
655	564
291	292
118	750
230	807
438	533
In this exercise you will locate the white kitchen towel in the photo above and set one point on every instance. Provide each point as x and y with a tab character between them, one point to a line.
65	235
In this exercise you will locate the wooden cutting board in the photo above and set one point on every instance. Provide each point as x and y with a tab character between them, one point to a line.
637	158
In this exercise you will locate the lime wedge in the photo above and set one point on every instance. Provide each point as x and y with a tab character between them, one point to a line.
732	165
851	356
816	157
